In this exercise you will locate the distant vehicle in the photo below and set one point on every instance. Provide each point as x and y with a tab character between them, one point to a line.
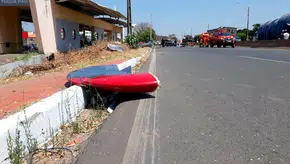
30	47
148	44
180	45
222	38
157	43
169	43
238	39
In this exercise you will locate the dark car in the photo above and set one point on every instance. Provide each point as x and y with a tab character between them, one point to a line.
169	43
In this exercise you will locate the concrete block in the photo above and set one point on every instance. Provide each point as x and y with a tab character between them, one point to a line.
7	69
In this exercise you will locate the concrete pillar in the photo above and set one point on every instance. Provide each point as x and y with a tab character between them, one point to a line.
44	23
110	35
122	37
10	30
93	34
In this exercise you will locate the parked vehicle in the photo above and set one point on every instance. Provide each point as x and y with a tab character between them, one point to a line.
238	39
30	47
169	43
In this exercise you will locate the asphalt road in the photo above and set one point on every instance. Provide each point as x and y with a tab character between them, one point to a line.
227	106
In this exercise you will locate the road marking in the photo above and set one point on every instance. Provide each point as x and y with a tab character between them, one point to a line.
205	79
146	137
245	85
270	60
141	132
155	136
276	99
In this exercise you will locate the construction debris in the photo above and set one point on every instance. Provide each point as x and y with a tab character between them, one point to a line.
114	47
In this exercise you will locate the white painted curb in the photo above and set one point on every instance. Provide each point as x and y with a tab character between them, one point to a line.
50	113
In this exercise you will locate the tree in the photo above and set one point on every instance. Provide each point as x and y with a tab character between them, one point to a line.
141	27
143	31
196	38
144	36
188	38
242	35
173	37
256	27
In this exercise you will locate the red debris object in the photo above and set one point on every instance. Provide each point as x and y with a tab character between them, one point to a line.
74	141
128	83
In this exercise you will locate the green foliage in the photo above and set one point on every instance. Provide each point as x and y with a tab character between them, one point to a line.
256	27
243	32
77	128
25	56
31	142
196	38
15	148
242	35
132	41
144	35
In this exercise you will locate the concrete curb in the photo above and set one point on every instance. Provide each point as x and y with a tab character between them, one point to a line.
7	69
49	114
42	117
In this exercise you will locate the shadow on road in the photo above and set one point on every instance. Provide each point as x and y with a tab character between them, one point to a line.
125	97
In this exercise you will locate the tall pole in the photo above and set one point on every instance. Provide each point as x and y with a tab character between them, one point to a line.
151	27
207	27
129	18
248	20
191	31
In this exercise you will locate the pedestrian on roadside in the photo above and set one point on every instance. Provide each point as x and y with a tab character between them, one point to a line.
285	35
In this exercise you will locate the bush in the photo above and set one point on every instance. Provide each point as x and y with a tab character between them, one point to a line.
132	41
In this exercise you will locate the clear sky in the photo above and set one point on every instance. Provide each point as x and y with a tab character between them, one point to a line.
177	17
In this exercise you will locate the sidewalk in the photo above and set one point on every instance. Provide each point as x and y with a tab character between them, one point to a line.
16	95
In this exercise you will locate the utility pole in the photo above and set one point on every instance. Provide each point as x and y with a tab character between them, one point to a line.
248	21
207	27
151	32
129	18
191	31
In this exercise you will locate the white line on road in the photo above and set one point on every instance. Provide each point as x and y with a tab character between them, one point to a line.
140	133
270	60
245	85
155	136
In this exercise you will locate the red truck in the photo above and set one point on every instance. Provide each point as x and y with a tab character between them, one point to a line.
222	38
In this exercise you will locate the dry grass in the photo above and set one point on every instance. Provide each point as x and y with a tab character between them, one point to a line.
68	138
88	56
